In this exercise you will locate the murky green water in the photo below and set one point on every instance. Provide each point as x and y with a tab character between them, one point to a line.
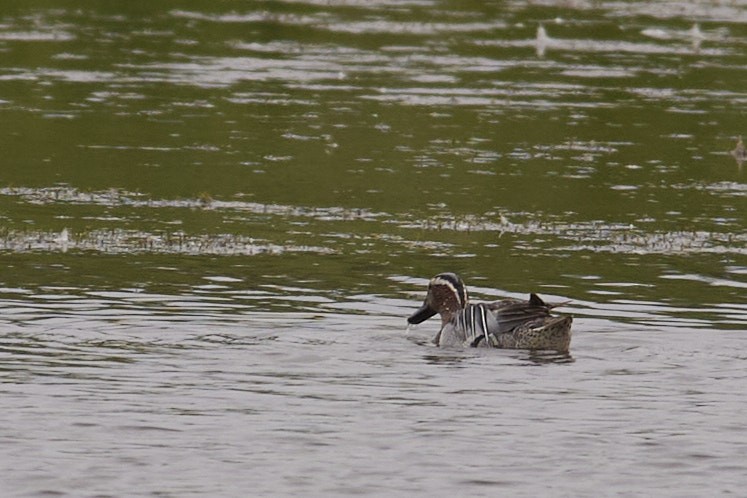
214	218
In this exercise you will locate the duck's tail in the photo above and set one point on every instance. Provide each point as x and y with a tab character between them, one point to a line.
535	300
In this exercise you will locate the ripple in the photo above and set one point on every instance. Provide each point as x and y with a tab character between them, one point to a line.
117	197
732	12
536	97
718	282
327	22
34	36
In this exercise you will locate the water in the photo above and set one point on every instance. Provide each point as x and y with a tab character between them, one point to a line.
214	219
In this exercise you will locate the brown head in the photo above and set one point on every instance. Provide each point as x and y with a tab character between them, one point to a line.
446	295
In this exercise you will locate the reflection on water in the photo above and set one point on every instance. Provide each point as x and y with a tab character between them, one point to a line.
214	219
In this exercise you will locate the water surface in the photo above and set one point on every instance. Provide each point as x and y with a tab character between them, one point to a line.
214	219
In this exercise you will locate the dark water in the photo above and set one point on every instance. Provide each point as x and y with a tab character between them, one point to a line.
215	216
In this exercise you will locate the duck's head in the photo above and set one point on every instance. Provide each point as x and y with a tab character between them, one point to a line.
446	295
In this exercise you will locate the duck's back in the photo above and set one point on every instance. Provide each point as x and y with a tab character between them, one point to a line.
511	314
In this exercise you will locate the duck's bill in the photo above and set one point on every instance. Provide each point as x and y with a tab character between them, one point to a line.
424	313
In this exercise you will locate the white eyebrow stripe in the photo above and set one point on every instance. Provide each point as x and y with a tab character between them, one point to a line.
447	283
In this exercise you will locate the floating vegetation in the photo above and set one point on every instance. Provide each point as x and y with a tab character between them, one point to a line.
551	233
637	242
133	241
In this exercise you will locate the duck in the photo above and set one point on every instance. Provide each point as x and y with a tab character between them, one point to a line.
508	323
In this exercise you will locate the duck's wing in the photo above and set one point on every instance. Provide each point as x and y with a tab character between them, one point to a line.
512	313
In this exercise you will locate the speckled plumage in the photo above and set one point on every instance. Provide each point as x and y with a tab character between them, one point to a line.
510	323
